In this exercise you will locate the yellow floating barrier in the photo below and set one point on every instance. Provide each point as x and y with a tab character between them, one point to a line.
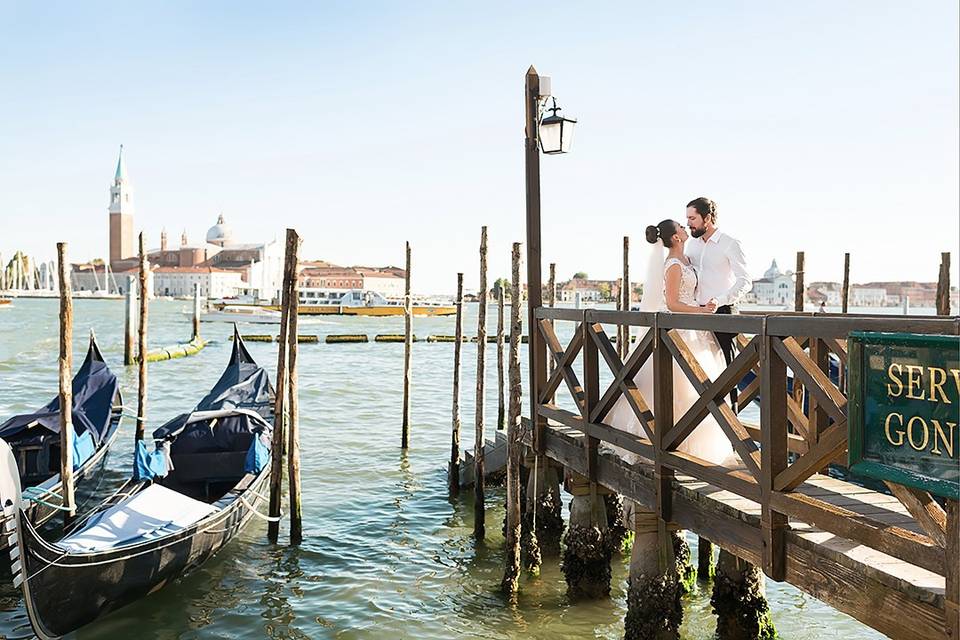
393	337
335	338
256	337
306	338
443	338
177	351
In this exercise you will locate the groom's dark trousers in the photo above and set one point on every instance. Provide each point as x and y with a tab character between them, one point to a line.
726	346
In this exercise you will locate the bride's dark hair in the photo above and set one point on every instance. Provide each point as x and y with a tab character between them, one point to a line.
663	231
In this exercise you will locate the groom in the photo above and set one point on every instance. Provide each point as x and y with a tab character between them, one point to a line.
721	267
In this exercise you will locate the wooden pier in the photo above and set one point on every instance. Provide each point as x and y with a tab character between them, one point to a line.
890	561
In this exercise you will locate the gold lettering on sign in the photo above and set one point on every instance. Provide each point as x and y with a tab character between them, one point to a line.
915	382
935	386
895	379
938	434
886	430
956	378
926	436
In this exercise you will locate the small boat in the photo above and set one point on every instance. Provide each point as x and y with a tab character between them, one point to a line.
5	301
361	302
188	498
34	439
240	313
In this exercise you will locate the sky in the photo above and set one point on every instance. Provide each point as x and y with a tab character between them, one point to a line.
820	126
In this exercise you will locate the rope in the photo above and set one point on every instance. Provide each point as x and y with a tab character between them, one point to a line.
536	497
209	530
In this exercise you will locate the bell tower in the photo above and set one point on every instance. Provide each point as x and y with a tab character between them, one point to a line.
121	214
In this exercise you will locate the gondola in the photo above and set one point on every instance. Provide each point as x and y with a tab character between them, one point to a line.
34	439
188	497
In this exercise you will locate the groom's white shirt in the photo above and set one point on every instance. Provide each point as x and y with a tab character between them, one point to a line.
721	268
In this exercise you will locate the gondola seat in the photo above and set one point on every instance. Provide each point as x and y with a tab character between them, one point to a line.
154	512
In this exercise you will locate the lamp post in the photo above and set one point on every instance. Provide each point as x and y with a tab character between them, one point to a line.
553	134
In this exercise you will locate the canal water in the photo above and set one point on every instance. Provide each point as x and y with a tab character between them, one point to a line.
386	553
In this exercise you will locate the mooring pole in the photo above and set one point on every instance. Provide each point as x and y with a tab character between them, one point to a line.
129	323
511	572
479	509
455	437
501	405
293	442
142	347
943	285
196	312
407	348
799	288
625	295
66	385
845	292
551	302
279	403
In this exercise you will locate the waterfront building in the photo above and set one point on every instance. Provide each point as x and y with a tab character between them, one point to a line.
387	281
774	288
213	282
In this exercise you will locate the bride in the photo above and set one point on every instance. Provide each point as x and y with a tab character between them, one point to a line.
671	285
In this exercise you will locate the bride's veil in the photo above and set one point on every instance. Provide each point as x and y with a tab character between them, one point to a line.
652	299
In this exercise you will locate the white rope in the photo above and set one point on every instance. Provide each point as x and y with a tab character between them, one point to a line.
208	530
257	513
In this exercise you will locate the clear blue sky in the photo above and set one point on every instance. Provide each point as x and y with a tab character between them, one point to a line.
822	126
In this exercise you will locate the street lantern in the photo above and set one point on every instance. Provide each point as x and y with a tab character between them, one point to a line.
556	132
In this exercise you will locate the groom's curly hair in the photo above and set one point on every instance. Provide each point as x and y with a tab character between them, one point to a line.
706	207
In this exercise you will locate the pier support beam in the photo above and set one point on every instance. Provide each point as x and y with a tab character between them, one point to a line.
654	610
586	558
739	601
705	566
616	524
541	534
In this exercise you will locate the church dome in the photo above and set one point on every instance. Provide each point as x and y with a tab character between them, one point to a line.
220	233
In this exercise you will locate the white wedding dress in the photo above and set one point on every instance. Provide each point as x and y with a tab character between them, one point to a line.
707	441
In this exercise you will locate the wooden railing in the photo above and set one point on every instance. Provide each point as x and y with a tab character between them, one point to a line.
792	442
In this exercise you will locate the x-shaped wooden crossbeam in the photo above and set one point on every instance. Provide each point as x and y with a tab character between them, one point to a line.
563	360
723	413
623	375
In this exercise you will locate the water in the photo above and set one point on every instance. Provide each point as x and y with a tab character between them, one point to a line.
386	554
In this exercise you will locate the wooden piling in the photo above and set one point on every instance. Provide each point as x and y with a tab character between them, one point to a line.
511	571
501	406
293	428
129	324
142	347
943	285
479	508
454	480
799	288
845	292
66	385
196	312
625	294
279	403
408	339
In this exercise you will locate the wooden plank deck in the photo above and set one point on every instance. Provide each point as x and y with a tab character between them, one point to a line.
895	597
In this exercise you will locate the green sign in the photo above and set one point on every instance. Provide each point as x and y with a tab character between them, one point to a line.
904	410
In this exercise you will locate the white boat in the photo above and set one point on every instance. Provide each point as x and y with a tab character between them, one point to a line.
239	313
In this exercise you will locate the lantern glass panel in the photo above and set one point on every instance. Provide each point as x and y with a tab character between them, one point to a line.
566	137
550	135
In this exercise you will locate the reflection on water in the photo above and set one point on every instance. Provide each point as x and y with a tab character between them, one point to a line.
386	553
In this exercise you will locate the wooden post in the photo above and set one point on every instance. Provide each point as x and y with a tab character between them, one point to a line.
845	292
196	312
952	564
293	441
943	285
799	289
619	307
501	405
479	509
538	345
511	572
663	422
407	344
279	403
773	449
455	438
129	324
552	302
625	295
66	385
142	347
